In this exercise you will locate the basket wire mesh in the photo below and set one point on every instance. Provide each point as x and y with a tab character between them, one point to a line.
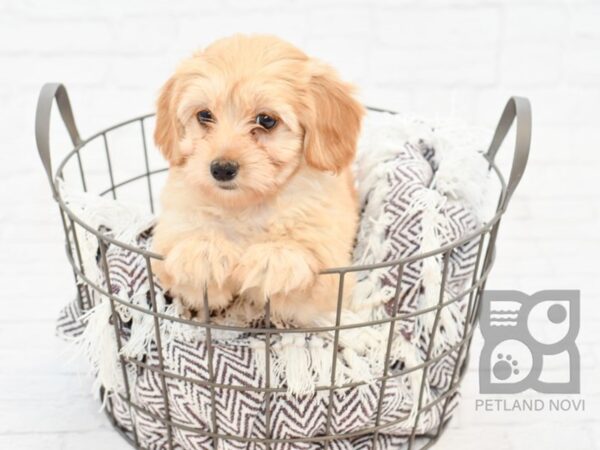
517	109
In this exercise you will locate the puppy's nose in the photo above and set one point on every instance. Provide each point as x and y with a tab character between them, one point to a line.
223	170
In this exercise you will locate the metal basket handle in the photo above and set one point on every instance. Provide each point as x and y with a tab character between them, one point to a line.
519	108
50	92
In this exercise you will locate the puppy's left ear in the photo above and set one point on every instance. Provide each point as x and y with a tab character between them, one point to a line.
331	120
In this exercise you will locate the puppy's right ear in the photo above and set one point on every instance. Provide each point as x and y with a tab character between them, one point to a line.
167	130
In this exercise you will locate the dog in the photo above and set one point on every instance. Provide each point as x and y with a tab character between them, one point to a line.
259	196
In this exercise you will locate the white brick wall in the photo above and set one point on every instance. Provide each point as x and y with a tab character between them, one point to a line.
459	58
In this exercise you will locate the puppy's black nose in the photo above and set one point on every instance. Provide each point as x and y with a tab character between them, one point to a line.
223	170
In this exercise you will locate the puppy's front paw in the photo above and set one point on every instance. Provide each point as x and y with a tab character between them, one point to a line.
198	262
275	269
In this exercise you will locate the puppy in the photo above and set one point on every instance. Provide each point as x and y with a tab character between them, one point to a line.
259	197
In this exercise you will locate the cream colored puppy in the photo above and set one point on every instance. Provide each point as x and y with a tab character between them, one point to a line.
259	196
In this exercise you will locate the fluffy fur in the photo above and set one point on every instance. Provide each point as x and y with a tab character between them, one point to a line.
290	212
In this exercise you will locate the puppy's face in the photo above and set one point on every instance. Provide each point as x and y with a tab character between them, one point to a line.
243	116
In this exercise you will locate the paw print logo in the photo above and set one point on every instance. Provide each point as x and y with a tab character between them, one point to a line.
505	367
523	334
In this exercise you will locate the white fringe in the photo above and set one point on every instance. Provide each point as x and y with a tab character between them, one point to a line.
98	345
142	328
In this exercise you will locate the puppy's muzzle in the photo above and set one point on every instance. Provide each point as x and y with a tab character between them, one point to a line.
223	170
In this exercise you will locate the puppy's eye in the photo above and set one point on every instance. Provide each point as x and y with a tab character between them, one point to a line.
266	121
205	116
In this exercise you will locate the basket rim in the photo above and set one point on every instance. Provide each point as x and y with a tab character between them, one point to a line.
57	179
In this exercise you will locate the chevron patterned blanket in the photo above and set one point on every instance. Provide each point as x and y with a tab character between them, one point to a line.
421	188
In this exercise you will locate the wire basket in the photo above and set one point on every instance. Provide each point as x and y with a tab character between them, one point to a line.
516	108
